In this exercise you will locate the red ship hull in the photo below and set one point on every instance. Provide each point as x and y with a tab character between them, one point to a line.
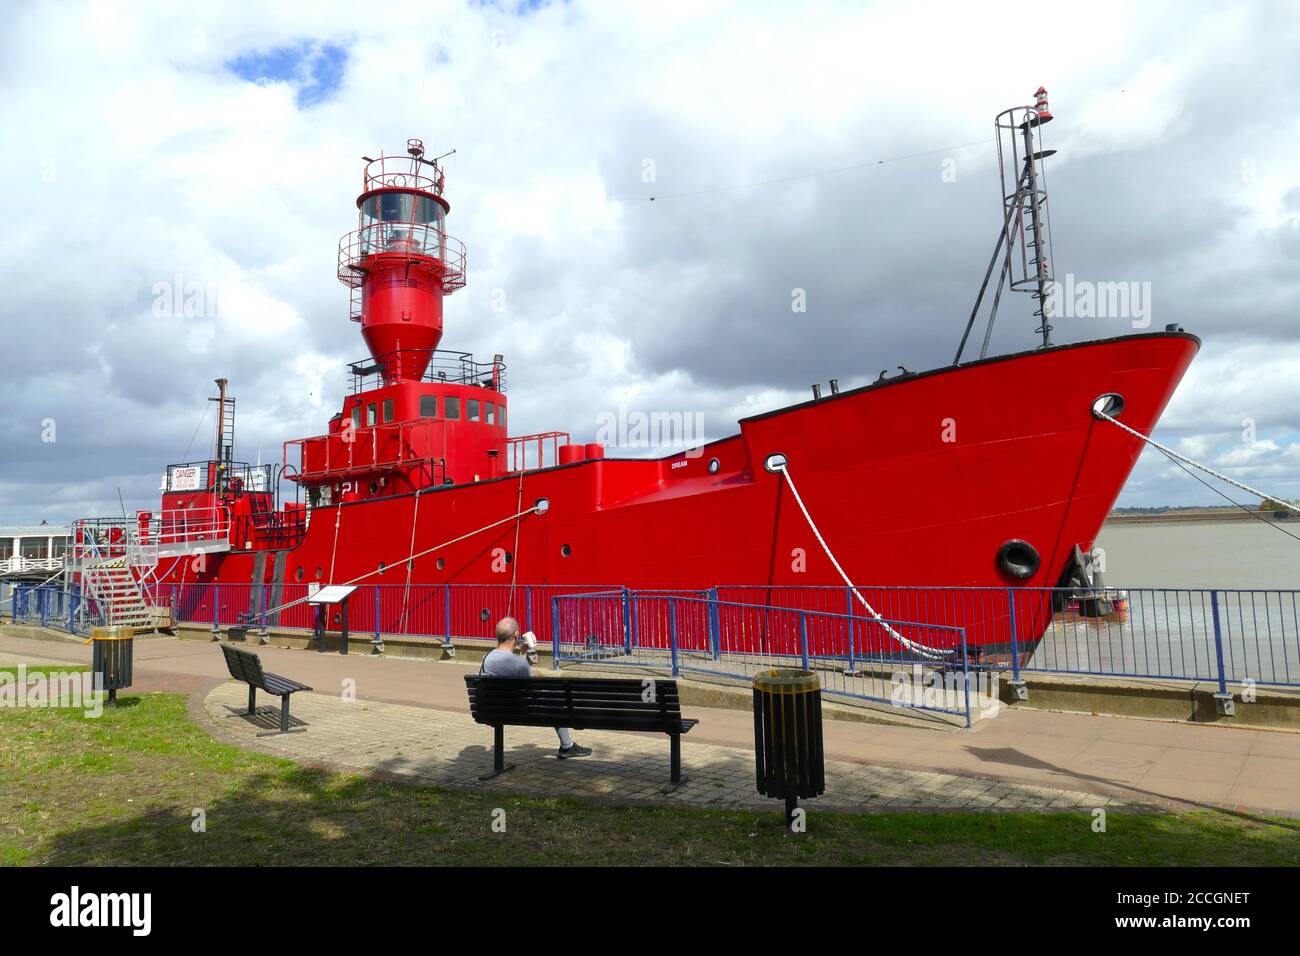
913	481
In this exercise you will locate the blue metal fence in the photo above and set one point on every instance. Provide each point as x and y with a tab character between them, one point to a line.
1193	634
52	605
902	663
1215	635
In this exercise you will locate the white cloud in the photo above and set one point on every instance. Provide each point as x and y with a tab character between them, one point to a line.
132	155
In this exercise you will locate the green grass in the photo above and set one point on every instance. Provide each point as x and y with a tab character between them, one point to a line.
42	670
122	789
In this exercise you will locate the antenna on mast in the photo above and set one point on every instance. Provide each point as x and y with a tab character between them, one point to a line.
1025	243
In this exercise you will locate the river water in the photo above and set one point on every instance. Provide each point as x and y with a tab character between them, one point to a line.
1236	602
1221	554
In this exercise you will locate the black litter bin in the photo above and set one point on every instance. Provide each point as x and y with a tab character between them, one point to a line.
112	658
789	753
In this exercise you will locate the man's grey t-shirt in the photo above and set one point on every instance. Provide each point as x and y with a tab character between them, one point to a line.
502	663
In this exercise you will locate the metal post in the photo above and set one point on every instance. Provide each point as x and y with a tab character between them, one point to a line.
41	604
343	622
715	624
627	622
446	614
555	633
1223	702
803	639
528	607
216	612
965	673
672	634
1018	686
264	636
848	597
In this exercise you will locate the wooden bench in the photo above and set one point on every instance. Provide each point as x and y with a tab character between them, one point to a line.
579	703
247	667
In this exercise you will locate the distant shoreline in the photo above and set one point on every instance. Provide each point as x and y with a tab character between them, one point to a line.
1191	516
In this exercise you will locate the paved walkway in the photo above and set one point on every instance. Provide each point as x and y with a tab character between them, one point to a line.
451	750
1141	761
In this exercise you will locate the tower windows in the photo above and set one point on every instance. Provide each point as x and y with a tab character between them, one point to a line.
388	410
371	411
471	409
451	407
428	406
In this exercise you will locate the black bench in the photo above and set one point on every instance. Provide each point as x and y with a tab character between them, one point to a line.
580	703
247	666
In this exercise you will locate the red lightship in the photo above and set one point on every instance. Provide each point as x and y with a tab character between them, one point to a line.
987	473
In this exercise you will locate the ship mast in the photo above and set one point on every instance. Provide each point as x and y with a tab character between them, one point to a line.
1025	244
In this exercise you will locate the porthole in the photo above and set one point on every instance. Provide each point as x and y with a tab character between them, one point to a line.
374	487
382	567
775	462
542	505
485	615
509	557
442	563
565	550
297	573
714	465
1112	404
320	573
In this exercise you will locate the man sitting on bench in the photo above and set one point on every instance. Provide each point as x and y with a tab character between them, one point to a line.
504	662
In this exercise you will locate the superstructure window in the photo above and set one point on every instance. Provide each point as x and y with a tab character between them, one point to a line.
489	413
371	409
388	409
501	415
451	407
35	547
471	409
356	416
428	406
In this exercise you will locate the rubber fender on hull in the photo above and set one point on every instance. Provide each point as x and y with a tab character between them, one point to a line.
1019	558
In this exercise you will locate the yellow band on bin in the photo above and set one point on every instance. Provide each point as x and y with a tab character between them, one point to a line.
786	680
115	633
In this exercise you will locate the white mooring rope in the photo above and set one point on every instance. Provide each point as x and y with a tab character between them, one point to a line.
910	645
1195	464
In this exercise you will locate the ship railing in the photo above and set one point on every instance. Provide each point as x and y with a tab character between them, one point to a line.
359	450
276	530
854	655
445	366
409	239
142	540
541	450
398	172
21	564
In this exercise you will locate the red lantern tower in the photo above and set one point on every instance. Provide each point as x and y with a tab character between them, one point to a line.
400	261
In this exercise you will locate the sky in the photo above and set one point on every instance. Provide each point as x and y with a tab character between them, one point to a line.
176	178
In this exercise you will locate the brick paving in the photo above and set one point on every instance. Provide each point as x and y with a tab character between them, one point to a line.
448	749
